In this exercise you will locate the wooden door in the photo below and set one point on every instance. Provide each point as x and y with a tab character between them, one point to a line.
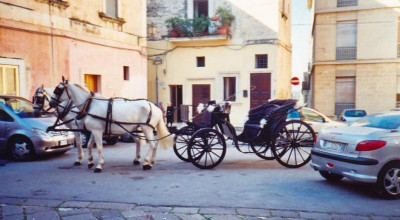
200	94
9	80
260	88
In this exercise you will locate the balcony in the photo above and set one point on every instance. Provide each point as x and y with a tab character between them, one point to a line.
346	53
345	3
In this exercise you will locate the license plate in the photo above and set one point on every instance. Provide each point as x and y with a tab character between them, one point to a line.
333	146
61	143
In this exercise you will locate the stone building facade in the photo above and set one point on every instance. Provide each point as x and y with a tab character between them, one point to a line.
356	55
253	60
100	43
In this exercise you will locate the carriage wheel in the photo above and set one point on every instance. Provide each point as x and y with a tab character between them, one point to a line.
181	141
263	151
207	148
293	144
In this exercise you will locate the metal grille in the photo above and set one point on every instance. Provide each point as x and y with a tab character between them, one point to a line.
262	61
346	53
339	107
344	3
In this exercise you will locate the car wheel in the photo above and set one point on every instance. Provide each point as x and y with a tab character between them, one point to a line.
389	181
21	149
111	140
330	176
127	138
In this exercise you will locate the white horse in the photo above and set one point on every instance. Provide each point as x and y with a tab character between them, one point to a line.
126	115
68	113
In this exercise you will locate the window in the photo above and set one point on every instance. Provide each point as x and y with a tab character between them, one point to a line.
111	8
229	88
200	8
344	3
126	72
262	61
346	40
9	80
345	95
201	61
4	116
92	82
309	115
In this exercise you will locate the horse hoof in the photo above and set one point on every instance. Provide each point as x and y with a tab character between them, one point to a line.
136	162
97	170
90	165
77	163
146	167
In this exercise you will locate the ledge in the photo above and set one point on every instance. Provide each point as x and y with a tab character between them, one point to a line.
105	17
198	39
57	3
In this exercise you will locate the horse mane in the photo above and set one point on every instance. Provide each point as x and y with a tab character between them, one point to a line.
83	87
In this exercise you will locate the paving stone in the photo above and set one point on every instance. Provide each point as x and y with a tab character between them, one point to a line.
87	216
37	209
140	218
253	212
190	216
285	214
106	214
275	218
114	218
348	216
164	216
185	210
313	215
75	204
12	210
223	217
14	217
111	205
129	214
218	211
11	201
160	209
384	218
53	215
43	202
71	211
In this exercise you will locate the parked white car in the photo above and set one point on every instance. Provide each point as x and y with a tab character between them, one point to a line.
315	119
351	115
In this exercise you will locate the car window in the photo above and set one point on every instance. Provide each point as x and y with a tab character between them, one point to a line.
20	107
311	116
4	116
355	113
293	114
379	121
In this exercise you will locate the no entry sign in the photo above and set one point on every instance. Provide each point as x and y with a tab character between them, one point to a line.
295	81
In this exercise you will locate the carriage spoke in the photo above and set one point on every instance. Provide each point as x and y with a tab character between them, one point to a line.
298	131
300	154
211	158
290	154
304	150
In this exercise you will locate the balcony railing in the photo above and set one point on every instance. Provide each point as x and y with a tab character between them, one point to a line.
346	53
398	49
344	3
339	107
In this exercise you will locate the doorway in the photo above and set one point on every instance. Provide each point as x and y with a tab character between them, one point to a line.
176	100
200	94
260	89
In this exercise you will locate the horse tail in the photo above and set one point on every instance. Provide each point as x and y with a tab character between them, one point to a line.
166	139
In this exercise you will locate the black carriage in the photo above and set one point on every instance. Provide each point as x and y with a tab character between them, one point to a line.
267	133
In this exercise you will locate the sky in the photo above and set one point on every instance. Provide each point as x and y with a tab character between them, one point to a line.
301	35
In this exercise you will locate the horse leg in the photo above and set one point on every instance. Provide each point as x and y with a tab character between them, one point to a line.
98	137
136	161
78	142
90	153
148	132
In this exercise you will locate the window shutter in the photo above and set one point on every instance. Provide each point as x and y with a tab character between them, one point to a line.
112	8
346	32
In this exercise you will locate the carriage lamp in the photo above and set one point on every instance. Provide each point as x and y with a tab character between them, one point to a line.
157	61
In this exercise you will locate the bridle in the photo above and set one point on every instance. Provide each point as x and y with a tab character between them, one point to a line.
39	99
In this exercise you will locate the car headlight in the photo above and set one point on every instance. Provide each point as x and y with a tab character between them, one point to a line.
42	134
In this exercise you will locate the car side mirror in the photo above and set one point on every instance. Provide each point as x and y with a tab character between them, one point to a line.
342	118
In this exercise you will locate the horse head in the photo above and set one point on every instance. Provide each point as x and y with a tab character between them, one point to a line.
60	93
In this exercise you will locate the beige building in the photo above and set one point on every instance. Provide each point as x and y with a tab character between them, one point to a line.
100	43
246	66
356	55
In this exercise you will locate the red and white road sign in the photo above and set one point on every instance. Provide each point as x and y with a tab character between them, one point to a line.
295	81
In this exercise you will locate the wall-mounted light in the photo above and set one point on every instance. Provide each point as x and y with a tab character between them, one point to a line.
151	30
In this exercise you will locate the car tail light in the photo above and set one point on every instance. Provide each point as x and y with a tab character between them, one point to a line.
370	145
315	139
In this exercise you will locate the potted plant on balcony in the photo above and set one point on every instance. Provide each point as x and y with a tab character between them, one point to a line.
226	19
200	25
173	25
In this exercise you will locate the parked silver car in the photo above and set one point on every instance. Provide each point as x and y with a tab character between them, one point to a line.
367	151
351	115
23	135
